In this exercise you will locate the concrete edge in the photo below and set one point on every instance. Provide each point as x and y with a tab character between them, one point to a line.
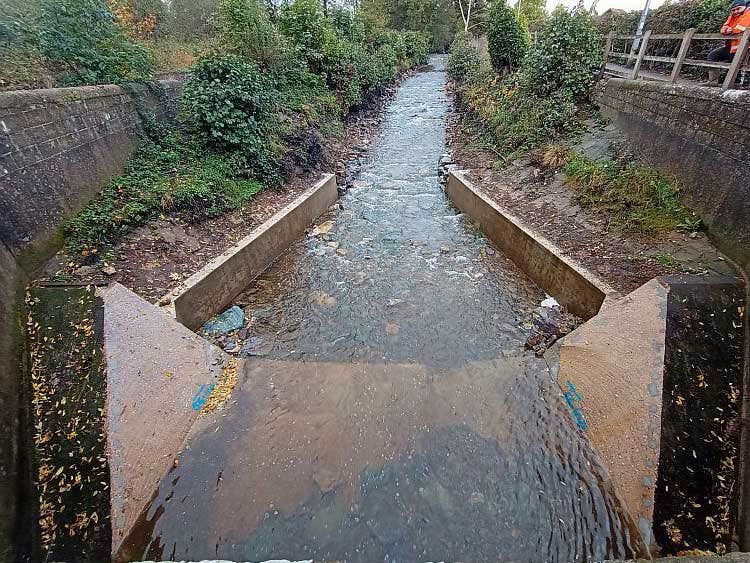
212	288
574	287
156	370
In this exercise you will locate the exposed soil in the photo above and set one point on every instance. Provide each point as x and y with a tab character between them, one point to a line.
154	258
542	200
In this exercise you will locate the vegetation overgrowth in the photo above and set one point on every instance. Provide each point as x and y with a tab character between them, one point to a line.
254	109
548	97
636	198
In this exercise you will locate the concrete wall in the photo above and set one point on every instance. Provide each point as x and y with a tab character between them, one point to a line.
57	149
580	291
212	288
58	146
702	136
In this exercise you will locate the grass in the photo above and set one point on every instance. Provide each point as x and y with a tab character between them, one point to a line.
638	199
666	260
165	175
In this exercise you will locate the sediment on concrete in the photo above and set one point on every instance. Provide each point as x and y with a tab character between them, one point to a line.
212	288
574	287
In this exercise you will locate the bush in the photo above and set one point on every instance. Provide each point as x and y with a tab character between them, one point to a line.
567	50
506	40
246	30
81	35
165	175
230	103
304	23
464	58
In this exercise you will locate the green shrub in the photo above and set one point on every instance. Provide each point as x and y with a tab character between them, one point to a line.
245	29
304	23
464	58
507	41
81	36
164	175
386	65
417	47
637	198
567	49
230	103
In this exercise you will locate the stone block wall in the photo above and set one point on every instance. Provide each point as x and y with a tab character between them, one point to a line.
58	147
701	136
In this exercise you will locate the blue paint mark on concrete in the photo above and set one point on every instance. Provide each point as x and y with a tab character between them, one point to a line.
200	397
573	398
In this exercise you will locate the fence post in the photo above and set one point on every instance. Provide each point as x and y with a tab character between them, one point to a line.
641	54
737	61
607	50
682	54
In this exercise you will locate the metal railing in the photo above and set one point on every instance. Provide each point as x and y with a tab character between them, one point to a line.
733	68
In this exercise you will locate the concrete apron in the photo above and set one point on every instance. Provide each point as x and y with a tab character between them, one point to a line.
161	375
612	368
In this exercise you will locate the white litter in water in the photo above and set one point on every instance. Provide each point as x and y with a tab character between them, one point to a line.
550	302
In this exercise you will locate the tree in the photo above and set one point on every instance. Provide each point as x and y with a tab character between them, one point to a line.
82	36
531	12
466	12
507	41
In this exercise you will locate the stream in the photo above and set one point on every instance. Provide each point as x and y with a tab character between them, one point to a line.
388	411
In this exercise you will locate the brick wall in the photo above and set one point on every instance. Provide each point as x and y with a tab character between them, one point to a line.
57	149
702	136
59	146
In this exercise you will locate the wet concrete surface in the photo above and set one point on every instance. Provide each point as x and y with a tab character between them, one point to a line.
387	410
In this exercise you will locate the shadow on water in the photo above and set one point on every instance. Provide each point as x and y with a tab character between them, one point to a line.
387	410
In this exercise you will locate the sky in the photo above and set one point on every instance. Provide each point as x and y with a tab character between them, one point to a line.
604	5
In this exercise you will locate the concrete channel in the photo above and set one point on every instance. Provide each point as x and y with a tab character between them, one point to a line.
384	406
378	402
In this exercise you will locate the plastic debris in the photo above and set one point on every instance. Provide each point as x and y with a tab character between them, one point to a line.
231	319
550	302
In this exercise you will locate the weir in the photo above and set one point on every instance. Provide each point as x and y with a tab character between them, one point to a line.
386	407
378	400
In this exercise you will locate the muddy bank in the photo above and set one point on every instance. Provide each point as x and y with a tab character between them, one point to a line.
543	201
154	258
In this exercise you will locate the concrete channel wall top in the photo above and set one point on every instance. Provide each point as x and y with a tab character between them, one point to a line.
212	288
577	289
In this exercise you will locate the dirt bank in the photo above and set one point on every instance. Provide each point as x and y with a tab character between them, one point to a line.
545	203
153	258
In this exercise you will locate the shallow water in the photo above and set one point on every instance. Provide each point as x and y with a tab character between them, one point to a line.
389	412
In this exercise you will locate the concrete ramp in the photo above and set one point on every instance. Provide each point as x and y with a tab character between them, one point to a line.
654	380
611	372
159	375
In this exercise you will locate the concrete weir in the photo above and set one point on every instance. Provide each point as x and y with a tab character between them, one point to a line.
212	288
580	291
640	378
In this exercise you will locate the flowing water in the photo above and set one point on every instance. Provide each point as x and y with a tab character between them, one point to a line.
388	411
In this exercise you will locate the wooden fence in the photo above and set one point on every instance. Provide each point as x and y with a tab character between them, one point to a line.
738	63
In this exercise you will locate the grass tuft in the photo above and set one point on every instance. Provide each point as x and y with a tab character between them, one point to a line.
637	198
